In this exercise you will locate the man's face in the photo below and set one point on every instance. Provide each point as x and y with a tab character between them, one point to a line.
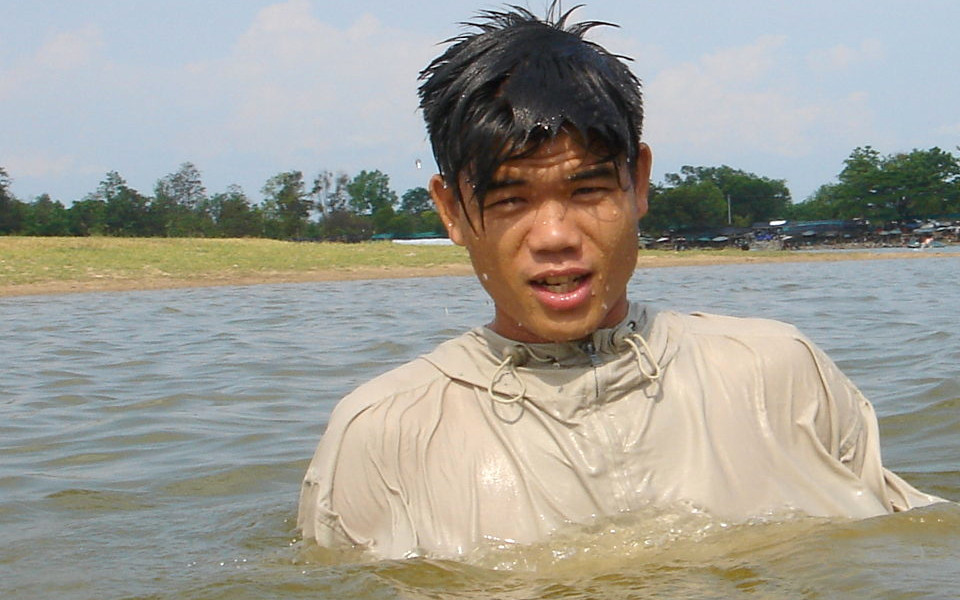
558	240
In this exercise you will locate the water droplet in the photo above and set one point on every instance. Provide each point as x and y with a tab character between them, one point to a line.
484	276
419	164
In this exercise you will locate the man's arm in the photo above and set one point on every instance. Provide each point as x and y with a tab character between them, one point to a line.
848	428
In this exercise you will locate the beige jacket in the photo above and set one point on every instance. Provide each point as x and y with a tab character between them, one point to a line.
489	439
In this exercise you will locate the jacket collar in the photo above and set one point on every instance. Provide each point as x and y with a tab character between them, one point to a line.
561	373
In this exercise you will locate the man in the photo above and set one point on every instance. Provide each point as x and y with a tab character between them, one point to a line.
573	404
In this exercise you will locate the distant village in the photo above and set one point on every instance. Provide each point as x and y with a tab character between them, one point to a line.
796	235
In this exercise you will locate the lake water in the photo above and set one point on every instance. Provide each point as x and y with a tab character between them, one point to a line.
152	443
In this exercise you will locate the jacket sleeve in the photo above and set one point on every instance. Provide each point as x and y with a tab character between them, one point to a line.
847	426
349	496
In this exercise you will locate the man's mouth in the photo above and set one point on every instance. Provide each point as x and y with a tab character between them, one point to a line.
561	284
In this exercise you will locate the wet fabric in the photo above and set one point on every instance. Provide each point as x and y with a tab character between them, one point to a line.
489	439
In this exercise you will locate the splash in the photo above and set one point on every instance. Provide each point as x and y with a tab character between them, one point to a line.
651	536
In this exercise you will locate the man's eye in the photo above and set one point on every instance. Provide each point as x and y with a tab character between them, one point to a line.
504	203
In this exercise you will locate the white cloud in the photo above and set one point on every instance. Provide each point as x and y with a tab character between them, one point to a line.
70	49
61	55
40	165
293	84
291	92
842	57
746	100
745	64
950	129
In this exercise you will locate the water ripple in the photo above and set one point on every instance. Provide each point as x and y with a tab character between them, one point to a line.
152	443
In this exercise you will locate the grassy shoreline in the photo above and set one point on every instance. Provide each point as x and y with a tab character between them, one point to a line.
64	265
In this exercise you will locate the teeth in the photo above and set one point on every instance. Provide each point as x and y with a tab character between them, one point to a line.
560	285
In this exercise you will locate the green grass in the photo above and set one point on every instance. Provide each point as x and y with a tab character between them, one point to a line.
156	262
27	260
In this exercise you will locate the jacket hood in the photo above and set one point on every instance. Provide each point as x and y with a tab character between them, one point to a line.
562	378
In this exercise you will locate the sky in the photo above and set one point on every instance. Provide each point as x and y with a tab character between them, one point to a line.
248	89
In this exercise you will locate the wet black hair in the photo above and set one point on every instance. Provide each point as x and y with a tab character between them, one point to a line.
515	81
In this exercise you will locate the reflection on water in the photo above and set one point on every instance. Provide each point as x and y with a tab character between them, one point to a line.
152	443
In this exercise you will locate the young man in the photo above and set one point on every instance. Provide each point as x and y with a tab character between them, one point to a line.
573	404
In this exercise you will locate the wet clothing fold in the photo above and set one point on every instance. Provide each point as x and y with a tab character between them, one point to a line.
490	439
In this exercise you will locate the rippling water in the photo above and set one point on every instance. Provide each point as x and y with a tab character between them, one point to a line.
152	443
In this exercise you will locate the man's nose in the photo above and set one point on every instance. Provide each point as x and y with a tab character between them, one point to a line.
554	228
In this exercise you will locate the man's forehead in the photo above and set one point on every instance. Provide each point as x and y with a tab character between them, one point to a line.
558	153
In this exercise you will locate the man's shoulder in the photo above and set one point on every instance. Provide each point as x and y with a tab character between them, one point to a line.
406	383
704	323
401	380
776	343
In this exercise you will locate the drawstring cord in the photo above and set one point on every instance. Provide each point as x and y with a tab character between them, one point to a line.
517	356
638	353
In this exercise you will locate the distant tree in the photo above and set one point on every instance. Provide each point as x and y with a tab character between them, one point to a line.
330	192
87	217
11	209
287	205
46	217
752	198
403	224
234	215
900	186
385	219
687	206
815	208
417	214
179	204
345	226
429	222
370	192
415	201
920	183
184	186
126	210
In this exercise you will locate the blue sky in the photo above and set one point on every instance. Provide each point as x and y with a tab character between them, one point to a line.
247	89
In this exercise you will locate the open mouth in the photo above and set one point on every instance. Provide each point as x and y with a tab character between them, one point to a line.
562	284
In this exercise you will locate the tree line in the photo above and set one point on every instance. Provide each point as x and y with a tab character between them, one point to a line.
900	187
334	206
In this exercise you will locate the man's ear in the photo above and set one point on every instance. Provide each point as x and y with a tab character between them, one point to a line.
449	209
641	177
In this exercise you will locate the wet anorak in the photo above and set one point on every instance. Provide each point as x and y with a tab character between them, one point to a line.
490	439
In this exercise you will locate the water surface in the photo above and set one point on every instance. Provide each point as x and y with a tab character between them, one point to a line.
152	443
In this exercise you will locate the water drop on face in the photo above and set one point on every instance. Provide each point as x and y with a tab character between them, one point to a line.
485	277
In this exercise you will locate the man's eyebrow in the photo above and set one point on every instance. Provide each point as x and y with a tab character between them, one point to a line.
496	184
602	170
